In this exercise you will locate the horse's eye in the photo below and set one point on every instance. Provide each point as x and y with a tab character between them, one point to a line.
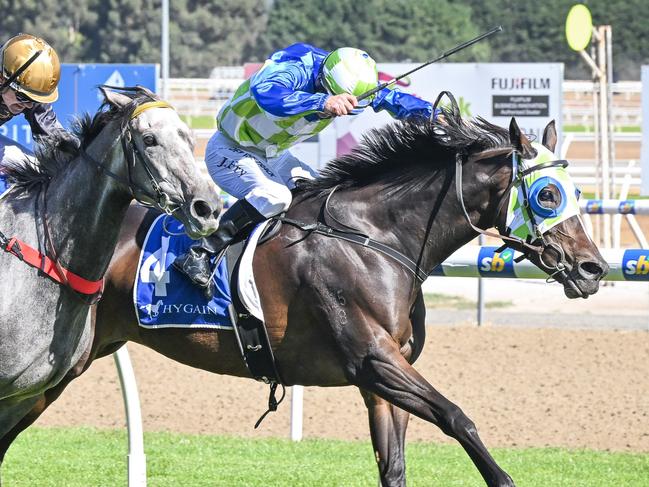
550	196
546	195
149	140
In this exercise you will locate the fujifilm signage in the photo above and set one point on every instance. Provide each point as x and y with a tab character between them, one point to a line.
519	103
522	84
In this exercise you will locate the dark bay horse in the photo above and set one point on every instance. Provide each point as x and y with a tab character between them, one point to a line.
69	205
339	313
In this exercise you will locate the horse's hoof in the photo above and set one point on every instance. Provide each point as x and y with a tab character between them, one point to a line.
506	482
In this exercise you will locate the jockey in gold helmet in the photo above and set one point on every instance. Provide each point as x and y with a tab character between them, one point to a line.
29	79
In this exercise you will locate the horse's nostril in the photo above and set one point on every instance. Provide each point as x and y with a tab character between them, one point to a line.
590	270
201	209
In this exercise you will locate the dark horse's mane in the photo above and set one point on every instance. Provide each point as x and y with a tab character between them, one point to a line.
55	152
401	152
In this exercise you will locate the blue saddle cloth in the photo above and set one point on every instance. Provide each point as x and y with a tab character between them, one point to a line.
165	298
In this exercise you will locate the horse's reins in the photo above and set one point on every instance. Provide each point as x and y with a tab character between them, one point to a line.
354	236
90	291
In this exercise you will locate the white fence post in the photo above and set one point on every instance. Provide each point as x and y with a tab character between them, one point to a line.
136	459
297	413
624	193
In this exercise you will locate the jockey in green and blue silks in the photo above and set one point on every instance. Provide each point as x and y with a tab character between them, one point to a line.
282	103
295	95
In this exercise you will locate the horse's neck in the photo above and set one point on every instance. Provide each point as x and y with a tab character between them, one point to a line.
85	208
428	224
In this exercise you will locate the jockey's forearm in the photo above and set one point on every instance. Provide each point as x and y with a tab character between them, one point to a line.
282	101
402	105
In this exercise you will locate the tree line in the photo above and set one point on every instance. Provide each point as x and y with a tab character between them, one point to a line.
208	33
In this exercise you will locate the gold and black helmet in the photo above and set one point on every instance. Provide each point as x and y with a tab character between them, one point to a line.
37	67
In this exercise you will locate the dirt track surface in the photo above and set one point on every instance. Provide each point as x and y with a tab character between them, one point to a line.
522	387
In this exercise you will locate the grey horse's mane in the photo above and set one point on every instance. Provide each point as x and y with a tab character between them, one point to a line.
405	152
55	152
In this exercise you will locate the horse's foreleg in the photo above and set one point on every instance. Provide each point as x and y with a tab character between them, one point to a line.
384	371
388	425
41	403
11	412
9	437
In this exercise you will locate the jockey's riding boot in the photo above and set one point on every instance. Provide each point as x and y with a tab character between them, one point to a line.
195	264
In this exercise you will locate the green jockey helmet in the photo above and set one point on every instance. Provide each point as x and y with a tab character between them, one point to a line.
349	70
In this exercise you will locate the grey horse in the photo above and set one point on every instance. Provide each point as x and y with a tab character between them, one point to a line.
71	203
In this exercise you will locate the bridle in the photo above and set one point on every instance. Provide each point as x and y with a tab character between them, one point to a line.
149	197
350	234
529	247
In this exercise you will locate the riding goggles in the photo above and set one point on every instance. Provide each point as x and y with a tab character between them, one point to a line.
22	98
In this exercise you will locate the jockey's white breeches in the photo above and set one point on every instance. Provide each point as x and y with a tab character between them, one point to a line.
265	183
11	151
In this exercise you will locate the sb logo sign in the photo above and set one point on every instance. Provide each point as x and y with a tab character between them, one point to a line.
492	263
594	207
635	265
626	207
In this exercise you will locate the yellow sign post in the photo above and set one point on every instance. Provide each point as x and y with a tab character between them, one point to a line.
579	31
579	27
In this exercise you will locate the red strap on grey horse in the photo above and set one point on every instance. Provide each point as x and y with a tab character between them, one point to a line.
60	274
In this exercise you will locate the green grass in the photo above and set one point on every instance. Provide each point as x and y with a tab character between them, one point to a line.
589	195
437	300
200	121
89	458
634	129
590	128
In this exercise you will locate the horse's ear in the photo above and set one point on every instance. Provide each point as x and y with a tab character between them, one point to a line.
515	134
519	141
550	136
115	98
